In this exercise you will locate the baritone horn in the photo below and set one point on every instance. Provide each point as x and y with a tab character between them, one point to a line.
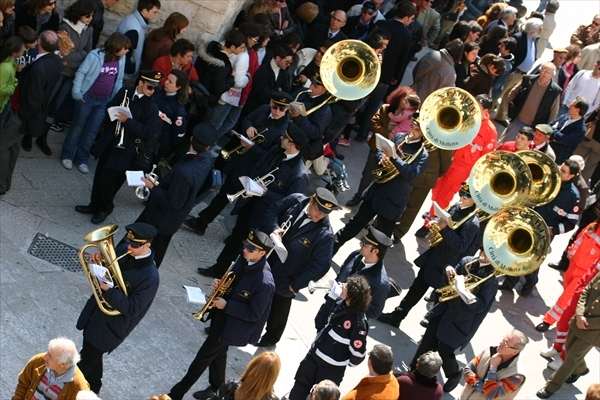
102	239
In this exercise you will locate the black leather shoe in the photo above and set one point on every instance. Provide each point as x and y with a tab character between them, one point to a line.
573	377
424	323
41	143
558	267
542	327
354	201
99	217
543	393
26	143
451	383
84	209
193	225
394	318
211	272
205	394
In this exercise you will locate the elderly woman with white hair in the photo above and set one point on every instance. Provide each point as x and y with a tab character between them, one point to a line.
54	374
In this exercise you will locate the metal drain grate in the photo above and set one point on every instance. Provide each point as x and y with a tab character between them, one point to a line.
55	252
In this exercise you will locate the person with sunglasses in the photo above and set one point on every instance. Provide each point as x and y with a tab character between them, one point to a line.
104	333
309	244
237	318
133	149
358	27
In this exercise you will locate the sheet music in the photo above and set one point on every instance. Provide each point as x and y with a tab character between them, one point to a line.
134	178
195	295
102	274
252	187
465	295
243	138
279	248
112	112
441	213
385	145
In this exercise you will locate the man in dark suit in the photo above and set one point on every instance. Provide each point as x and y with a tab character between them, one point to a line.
309	244
133	149
569	130
271	76
37	85
103	333
318	33
237	318
172	200
359	26
289	174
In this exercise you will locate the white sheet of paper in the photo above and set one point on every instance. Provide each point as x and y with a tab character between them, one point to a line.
112	112
195	295
279	248
243	138
385	145
252	187
465	295
441	213
134	178
102	274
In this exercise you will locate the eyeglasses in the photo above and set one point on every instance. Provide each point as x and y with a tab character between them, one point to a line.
505	342
279	107
249	247
135	245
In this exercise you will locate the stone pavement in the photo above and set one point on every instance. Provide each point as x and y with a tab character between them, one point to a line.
39	301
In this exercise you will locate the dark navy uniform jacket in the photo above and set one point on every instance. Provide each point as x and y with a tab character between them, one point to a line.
309	247
342	337
389	199
141	280
313	125
562	213
143	130
456	244
171	201
248	303
566	138
172	134
260	119
376	275
459	321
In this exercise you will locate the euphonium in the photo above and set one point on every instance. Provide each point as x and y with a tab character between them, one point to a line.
102	239
264	181
222	288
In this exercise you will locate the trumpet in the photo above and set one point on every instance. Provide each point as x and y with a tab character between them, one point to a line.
119	128
264	181
142	192
472	282
434	236
222	288
240	149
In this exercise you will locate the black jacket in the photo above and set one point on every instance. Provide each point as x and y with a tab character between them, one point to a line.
141	280
542	115
562	213
313	125
215	70
354	29
264	84
260	120
318	33
24	16
172	135
397	55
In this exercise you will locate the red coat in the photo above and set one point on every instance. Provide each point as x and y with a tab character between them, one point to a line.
164	66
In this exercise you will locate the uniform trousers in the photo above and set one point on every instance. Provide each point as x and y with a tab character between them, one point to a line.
415	293
212	355
361	219
578	346
91	365
430	342
280	311
367	173
214	208
107	182
233	243
311	371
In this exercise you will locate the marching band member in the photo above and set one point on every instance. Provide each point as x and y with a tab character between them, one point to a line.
368	262
387	200
103	333
139	138
237	318
272	118
291	177
453	323
456	244
341	340
309	243
176	195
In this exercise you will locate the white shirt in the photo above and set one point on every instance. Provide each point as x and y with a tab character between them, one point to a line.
40	55
290	156
143	255
584	85
529	56
137	94
367	265
274	67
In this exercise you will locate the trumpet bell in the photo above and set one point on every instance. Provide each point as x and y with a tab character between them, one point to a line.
350	70
450	118
499	179
516	240
545	175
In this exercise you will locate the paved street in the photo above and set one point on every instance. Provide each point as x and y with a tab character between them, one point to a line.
39	300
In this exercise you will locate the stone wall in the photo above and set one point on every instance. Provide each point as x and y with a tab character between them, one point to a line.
210	16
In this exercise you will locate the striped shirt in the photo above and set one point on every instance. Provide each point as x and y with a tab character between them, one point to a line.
51	385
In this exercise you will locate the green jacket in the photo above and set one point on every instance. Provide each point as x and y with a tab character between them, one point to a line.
8	80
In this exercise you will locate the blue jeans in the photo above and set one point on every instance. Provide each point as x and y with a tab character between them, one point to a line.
88	118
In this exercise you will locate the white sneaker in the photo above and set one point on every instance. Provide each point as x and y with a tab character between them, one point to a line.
550	354
83	168
68	164
555	364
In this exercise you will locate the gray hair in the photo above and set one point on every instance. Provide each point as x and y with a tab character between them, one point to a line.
533	25
66	349
87	395
510	10
523	339
429	364
325	390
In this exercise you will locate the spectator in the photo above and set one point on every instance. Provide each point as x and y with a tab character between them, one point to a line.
180	57
97	81
586	35
160	41
467	62
475	8
39	15
7	9
593	392
380	384
493	373
507	19
359	26
98	18
465	31
281	19
569	130
585	84
559	56
53	373
436	69
570	66
589	148
490	41
486	70
134	26
523	141
541	140
356	9
430	21
421	383
548	27
324	390
333	31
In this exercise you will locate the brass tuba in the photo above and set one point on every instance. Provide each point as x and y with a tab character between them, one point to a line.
545	177
102	239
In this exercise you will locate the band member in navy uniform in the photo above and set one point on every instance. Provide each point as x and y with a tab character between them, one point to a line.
103	333
290	177
177	193
561	215
309	243
272	118
368	262
453	323
387	200
139	142
341	341
237	318
455	244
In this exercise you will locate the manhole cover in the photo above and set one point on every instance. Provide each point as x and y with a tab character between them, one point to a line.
55	252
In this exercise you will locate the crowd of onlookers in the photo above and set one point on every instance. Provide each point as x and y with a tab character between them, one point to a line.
60	69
